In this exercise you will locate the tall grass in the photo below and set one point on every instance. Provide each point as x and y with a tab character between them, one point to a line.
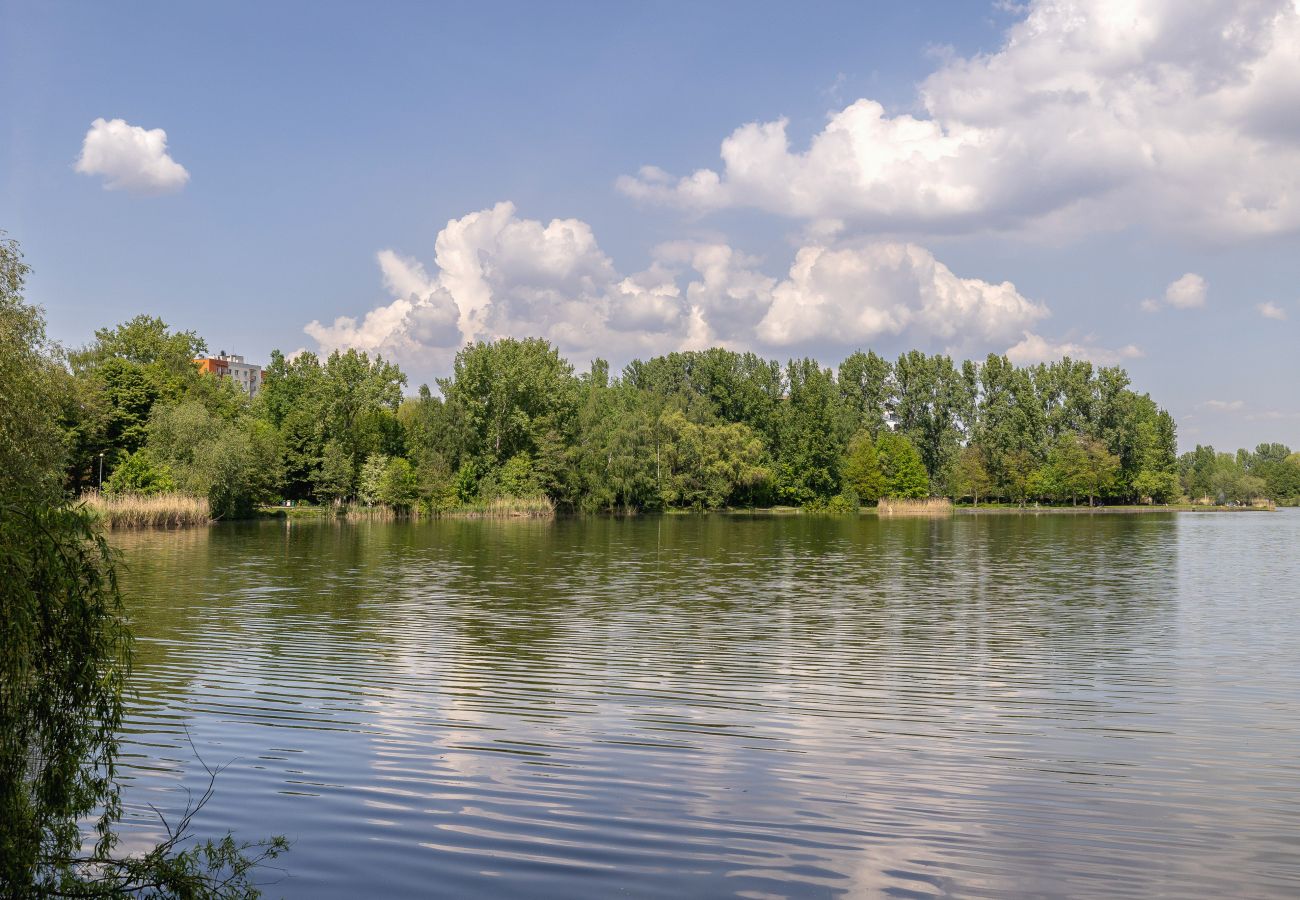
504	508
934	506
149	510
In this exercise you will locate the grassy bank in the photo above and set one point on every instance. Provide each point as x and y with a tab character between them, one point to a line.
151	511
501	508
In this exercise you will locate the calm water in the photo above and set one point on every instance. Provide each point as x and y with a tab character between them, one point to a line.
1098	705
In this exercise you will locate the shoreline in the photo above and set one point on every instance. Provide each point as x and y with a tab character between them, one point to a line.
381	514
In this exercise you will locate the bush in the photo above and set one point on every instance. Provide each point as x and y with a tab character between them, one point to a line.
140	474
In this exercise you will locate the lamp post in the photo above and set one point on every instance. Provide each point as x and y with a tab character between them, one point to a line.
101	470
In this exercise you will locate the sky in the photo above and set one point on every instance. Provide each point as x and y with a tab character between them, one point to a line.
1117	181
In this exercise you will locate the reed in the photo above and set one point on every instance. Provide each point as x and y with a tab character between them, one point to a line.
149	510
933	506
505	508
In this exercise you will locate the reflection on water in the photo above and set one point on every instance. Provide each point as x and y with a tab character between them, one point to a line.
983	706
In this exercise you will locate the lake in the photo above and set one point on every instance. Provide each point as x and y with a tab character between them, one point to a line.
1099	705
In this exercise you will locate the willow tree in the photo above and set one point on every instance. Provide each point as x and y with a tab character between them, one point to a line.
64	657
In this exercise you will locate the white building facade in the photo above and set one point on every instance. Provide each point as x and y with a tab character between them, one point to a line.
231	365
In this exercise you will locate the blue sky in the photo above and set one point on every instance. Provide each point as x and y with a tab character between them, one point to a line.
1089	154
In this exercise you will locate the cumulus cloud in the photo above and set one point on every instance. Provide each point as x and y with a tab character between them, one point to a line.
1271	311
1033	348
130	158
1092	115
1187	292
1225	405
856	294
498	274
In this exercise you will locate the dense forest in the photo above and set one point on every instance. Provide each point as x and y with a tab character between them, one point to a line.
701	430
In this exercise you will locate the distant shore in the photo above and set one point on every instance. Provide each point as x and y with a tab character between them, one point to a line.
176	511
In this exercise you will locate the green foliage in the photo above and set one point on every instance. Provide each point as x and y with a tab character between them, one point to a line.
902	471
514	420
1076	467
333	480
124	373
971	476
517	478
864	392
860	470
509	394
928	405
842	504
370	480
704	466
64	657
1239	478
809	435
235	465
63	640
398	487
139	473
145	341
64	660
1278	467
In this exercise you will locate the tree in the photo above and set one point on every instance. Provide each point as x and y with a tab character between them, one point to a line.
370	481
1075	467
1012	429
860	470
970	476
64	654
864	391
139	473
810	444
234	464
1278	467
704	465
510	393
146	341
929	395
901	467
129	369
1197	470
358	402
333	480
397	485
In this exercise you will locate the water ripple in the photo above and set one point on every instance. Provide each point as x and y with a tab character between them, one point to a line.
982	706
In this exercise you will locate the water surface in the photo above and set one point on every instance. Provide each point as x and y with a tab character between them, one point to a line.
1092	705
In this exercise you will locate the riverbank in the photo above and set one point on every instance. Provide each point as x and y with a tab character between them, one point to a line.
169	511
501	508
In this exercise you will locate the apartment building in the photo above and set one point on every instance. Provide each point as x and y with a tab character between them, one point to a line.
231	365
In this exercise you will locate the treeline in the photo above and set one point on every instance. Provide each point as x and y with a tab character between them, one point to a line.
1271	471
699	430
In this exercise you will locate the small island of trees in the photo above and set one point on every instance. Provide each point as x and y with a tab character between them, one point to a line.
515	424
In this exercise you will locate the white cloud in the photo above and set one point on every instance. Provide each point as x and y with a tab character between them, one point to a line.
1225	405
1187	292
1094	114
1273	415
497	274
1271	311
856	294
1033	348
130	158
